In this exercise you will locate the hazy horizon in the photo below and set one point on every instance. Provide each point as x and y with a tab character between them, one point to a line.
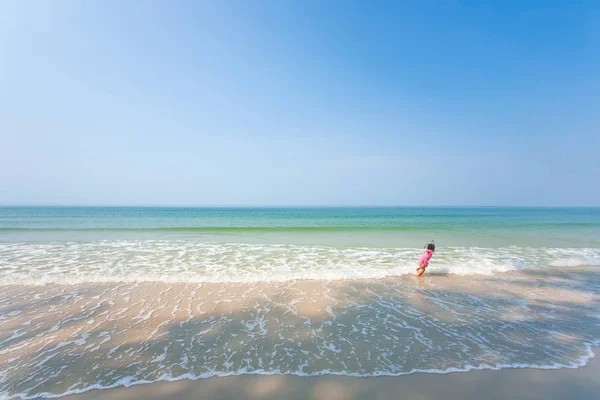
267	206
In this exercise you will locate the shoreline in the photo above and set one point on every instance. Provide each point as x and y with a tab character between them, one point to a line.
298	339
529	383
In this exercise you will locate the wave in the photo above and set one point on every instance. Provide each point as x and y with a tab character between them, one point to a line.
189	261
375	225
220	229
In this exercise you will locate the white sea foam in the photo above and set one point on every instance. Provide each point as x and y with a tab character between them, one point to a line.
189	261
130	381
569	262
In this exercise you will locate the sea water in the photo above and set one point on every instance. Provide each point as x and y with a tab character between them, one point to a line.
134	295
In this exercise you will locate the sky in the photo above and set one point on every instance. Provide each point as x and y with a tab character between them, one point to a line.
300	103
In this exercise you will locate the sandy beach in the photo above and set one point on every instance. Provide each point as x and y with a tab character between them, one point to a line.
582	383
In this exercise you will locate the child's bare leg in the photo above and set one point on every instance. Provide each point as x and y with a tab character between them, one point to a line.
420	272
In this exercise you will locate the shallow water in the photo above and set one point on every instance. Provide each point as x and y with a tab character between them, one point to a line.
59	339
196	261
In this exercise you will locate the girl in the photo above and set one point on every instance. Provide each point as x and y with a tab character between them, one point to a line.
424	259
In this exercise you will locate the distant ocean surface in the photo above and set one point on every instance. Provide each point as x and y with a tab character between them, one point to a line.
96	244
101	297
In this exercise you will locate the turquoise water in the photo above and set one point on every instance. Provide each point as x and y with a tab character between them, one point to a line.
98	244
378	227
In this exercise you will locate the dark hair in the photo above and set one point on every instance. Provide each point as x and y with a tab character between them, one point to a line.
430	246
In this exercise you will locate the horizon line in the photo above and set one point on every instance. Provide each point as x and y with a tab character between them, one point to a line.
287	206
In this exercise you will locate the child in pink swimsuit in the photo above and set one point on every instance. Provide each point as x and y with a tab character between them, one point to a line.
424	259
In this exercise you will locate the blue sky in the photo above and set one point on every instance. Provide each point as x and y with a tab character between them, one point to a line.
300	103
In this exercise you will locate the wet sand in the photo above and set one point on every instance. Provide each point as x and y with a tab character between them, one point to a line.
59	339
582	383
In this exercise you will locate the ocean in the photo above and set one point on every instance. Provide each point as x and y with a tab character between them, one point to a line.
98	297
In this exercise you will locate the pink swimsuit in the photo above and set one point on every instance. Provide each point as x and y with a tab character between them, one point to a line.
424	259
